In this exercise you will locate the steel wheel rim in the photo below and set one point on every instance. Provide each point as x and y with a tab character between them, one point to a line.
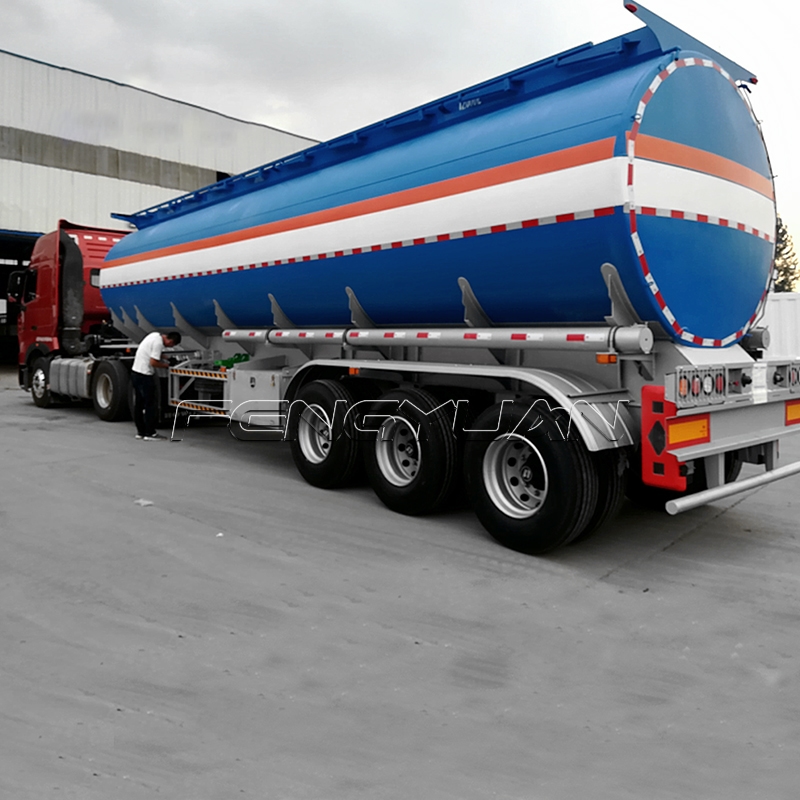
314	434
104	391
515	476
397	451
38	383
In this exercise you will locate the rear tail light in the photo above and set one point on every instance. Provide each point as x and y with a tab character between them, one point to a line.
704	386
700	386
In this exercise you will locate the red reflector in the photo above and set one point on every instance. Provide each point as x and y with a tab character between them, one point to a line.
631	7
720	383
659	467
576	337
754	80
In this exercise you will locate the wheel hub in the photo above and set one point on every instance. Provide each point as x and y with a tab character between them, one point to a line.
515	476
397	451
314	434
38	383
104	391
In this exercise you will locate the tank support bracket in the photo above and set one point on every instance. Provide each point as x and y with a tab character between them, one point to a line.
358	316
144	323
189	330
623	313
225	323
127	326
474	315
279	319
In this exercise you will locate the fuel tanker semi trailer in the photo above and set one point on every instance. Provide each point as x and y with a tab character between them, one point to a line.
536	293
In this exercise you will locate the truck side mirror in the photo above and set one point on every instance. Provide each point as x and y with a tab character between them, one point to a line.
29	290
16	284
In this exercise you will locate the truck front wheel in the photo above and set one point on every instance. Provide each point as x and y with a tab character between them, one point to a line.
110	391
40	383
533	487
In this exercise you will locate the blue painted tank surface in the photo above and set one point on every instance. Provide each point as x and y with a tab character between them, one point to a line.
525	185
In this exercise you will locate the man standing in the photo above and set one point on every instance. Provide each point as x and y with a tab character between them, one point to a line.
143	378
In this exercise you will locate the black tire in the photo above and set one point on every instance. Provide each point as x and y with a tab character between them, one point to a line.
532	489
411	460
40	383
324	448
611	467
110	382
363	390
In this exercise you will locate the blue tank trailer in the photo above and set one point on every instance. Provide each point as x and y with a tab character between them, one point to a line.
627	152
538	294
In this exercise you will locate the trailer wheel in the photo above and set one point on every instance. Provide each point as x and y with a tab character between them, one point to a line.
411	462
610	466
324	448
40	383
110	391
532	488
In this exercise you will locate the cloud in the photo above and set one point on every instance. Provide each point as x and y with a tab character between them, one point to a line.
316	67
320	68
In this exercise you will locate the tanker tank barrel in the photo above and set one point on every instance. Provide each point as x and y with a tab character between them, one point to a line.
638	150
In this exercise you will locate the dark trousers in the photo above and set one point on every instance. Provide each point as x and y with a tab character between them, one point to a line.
145	403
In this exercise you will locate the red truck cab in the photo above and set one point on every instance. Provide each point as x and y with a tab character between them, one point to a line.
59	296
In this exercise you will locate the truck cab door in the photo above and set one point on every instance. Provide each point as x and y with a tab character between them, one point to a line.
38	322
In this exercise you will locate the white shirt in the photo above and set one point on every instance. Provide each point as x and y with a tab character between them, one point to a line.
150	347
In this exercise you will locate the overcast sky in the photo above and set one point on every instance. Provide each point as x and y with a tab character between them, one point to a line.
320	68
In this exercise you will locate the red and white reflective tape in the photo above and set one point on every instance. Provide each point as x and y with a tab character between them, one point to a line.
673	213
442	237
632	210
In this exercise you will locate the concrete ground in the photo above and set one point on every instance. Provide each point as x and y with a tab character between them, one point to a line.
241	634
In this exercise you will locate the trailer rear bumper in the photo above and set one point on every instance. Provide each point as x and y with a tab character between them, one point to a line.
730	489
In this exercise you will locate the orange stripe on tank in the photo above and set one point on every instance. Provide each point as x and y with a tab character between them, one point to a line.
664	151
592	152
